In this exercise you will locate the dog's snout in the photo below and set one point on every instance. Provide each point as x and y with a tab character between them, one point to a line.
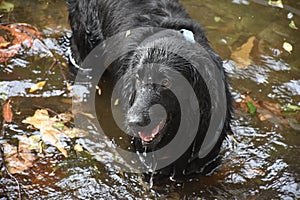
138	120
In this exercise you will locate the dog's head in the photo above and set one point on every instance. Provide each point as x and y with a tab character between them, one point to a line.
152	109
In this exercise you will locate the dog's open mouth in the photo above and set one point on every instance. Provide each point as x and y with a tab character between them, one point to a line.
149	136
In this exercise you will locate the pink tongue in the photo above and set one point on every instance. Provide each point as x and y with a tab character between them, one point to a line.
148	137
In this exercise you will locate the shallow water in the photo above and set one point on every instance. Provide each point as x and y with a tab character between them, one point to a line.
264	164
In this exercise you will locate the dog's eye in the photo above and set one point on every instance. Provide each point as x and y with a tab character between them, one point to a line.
166	83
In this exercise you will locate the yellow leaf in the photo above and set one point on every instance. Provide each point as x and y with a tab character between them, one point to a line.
39	120
69	87
288	47
53	129
276	3
99	90
37	86
78	148
4	44
242	55
52	136
116	102
65	117
74	133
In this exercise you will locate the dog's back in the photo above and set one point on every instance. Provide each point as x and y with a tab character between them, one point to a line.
92	21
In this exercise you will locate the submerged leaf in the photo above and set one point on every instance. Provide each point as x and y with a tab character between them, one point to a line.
265	110
276	3
7	112
217	19
288	47
21	159
59	126
39	120
16	36
291	108
52	136
252	108
37	86
292	25
242	55
6	6
34	142
53	129
78	148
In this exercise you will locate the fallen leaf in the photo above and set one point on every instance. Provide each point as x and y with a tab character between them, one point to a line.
116	103
6	6
38	86
99	90
242	55
264	117
52	136
265	110
58	125
127	33
290	108
217	19
39	120
276	3
74	132
19	161
251	172
34	142
292	25
288	47
69	87
25	152
251	107
53	129
3	43
273	107
7	112
78	148
15	37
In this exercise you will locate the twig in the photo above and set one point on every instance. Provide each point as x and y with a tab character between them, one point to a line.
48	109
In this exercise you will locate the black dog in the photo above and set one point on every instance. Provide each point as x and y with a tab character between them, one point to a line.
150	72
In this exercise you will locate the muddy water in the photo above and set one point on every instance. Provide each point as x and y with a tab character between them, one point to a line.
264	163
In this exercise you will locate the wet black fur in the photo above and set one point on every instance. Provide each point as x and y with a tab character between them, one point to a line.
93	21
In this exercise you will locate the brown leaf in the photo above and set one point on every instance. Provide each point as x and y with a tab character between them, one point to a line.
273	107
19	161
242	55
7	112
266	110
21	34
255	171
3	42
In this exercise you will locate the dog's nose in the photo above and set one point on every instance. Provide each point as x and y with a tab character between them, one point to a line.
136	120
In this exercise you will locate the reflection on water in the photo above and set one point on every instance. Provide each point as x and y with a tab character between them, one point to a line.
264	164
